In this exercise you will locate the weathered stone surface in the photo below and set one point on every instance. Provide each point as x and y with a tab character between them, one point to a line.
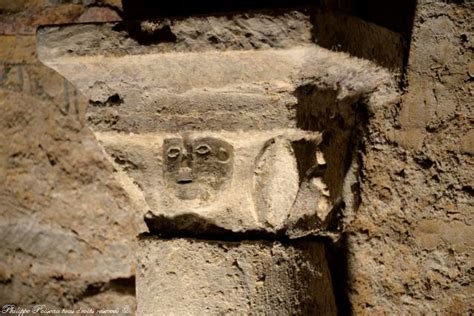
411	246
248	31
196	277
18	49
143	87
26	22
54	248
98	14
364	40
236	192
20	5
266	118
467	142
57	188
119	107
416	180
240	32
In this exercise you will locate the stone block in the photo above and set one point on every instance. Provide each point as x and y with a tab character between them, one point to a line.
200	277
19	5
98	14
17	49
57	194
365	40
217	120
237	181
26	22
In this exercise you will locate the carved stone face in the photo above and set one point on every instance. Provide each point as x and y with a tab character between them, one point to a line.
196	168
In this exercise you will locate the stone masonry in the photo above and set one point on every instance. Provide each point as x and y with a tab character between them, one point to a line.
393	176
221	133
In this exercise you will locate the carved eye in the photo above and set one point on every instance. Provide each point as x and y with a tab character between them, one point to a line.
203	149
222	154
173	152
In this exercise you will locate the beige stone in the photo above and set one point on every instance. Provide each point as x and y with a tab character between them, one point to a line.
258	194
245	97
470	69
467	142
409	138
196	277
431	234
391	275
241	95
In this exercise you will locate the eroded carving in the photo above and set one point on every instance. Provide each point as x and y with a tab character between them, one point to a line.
254	181
276	182
196	168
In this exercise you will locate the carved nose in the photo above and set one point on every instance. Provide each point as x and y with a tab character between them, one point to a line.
184	176
186	161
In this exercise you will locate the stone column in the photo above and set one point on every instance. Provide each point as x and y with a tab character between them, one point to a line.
185	276
236	135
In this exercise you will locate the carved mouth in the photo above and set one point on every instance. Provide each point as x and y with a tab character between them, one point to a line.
184	181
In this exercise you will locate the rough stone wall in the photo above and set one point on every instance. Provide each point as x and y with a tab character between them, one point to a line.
66	228
411	243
